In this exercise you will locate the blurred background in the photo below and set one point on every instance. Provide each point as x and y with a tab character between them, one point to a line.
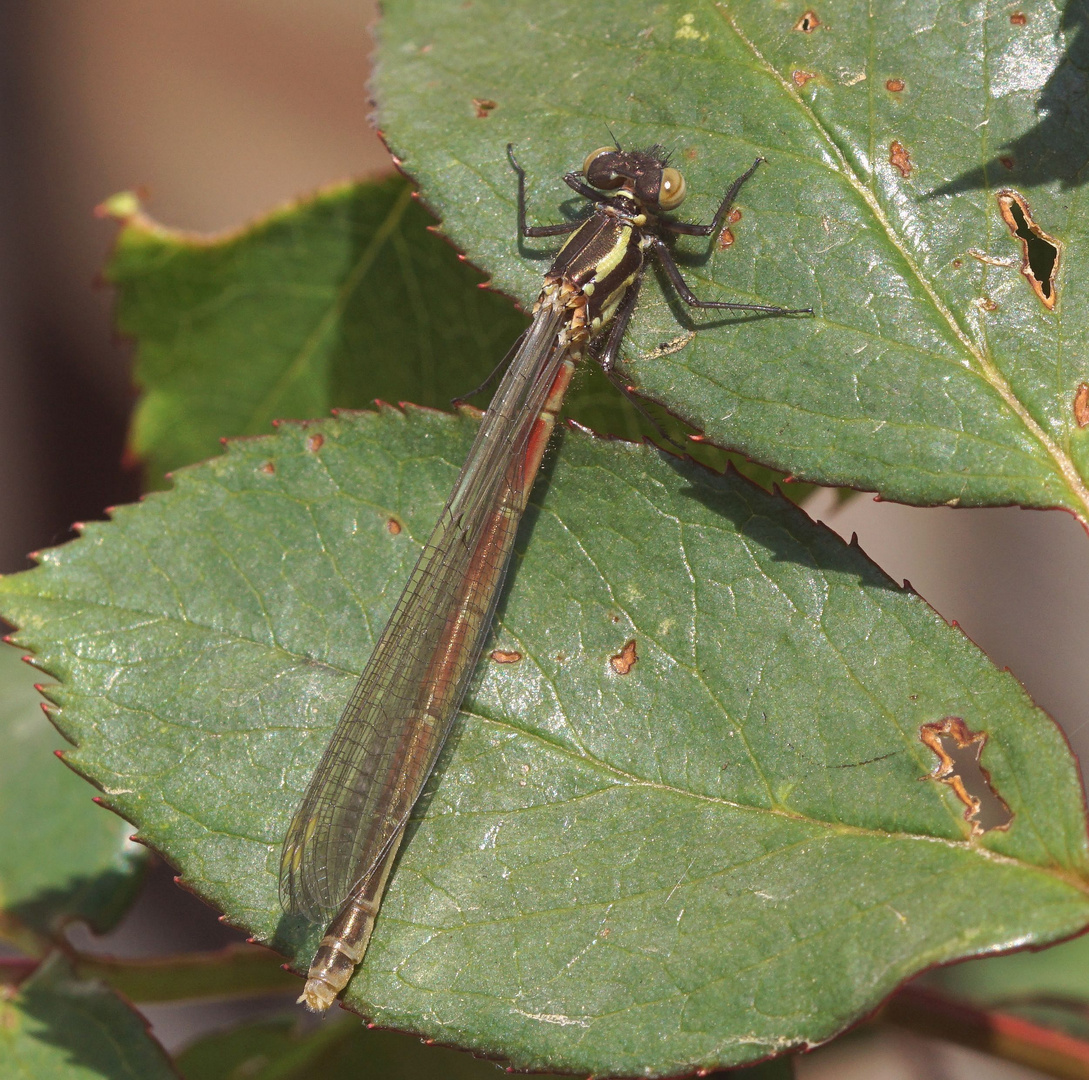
218	110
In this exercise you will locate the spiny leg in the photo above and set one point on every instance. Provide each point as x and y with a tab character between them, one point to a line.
665	257
535	230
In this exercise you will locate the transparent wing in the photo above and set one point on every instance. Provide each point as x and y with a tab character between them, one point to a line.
390	733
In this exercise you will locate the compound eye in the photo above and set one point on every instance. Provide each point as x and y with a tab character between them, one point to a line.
673	190
597	171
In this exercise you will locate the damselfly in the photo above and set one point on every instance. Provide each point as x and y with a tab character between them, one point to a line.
345	834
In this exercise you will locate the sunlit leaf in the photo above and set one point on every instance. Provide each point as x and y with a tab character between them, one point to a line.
931	371
732	849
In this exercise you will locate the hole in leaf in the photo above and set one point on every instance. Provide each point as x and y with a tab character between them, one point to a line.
808	22
959	752
1039	252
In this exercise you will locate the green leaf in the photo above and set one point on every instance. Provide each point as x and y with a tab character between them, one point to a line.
62	858
65	1028
930	372
332	301
282	1049
731	850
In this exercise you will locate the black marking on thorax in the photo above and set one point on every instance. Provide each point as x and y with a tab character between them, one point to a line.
602	258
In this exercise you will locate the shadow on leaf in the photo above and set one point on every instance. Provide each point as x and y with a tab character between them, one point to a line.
1057	148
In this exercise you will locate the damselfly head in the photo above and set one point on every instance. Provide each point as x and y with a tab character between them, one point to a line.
644	173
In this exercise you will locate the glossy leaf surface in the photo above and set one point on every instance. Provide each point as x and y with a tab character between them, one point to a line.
931	371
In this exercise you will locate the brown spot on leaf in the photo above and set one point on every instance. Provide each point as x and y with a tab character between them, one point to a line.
808	22
691	154
1039	252
484	106
624	660
1018	18
900	158
726	239
502	656
895	85
268	468
802	77
734	216
314	443
958	263
1081	405
959	752
1007	161
393	527
987	304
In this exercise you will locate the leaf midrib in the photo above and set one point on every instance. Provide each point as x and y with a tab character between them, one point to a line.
262	412
985	367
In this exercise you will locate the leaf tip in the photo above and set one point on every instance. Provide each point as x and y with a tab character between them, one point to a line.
123	206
